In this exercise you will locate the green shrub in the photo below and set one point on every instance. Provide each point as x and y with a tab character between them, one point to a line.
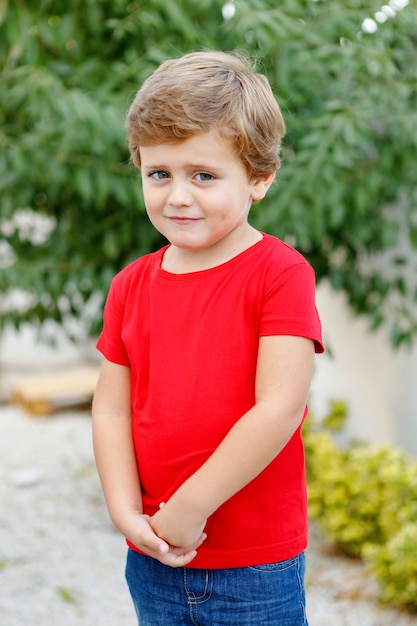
350	495
394	566
365	499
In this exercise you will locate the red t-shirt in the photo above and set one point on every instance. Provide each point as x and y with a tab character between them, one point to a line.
191	341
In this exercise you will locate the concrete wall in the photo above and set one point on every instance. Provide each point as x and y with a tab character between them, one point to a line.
378	383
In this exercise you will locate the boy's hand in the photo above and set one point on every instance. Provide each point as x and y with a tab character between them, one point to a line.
145	539
178	529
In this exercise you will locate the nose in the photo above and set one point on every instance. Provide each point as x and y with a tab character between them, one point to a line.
179	194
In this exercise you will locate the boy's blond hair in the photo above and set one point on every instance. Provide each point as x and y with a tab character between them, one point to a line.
202	91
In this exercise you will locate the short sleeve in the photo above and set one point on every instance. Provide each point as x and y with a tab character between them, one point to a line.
289	307
110	342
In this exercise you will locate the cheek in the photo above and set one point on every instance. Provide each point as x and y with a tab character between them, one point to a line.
152	204
150	193
153	215
220	216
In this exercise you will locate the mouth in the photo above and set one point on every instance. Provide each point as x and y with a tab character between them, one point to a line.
184	221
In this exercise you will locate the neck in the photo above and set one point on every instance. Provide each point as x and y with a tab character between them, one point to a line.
183	261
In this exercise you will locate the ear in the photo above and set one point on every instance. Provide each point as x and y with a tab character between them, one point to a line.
260	186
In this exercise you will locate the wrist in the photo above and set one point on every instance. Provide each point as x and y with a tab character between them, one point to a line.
124	518
190	502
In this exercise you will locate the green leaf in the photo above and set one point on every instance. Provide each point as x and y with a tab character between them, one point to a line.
68	72
66	595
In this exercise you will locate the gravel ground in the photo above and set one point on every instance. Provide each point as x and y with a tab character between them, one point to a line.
61	561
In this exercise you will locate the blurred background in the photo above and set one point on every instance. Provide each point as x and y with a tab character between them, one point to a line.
71	212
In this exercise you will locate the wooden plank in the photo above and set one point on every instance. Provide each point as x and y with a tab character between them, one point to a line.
44	394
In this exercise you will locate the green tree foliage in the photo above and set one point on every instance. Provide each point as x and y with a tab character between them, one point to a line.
345	193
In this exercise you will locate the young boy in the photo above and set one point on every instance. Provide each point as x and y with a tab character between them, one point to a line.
208	351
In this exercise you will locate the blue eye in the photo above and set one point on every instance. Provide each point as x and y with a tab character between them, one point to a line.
159	175
204	177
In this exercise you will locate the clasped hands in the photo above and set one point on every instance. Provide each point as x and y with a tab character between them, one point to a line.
170	538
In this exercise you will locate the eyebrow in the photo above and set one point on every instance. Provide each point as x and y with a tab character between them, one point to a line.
192	166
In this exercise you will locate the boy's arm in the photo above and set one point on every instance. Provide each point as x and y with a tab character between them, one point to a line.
117	468
284	373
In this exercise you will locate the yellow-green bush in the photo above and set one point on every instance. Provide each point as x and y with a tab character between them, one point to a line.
365	499
394	565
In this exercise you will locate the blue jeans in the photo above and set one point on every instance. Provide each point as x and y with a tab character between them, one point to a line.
262	595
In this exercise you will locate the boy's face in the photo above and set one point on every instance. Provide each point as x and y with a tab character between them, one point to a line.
197	192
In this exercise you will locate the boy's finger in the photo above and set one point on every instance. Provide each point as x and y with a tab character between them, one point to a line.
202	538
178	560
155	544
